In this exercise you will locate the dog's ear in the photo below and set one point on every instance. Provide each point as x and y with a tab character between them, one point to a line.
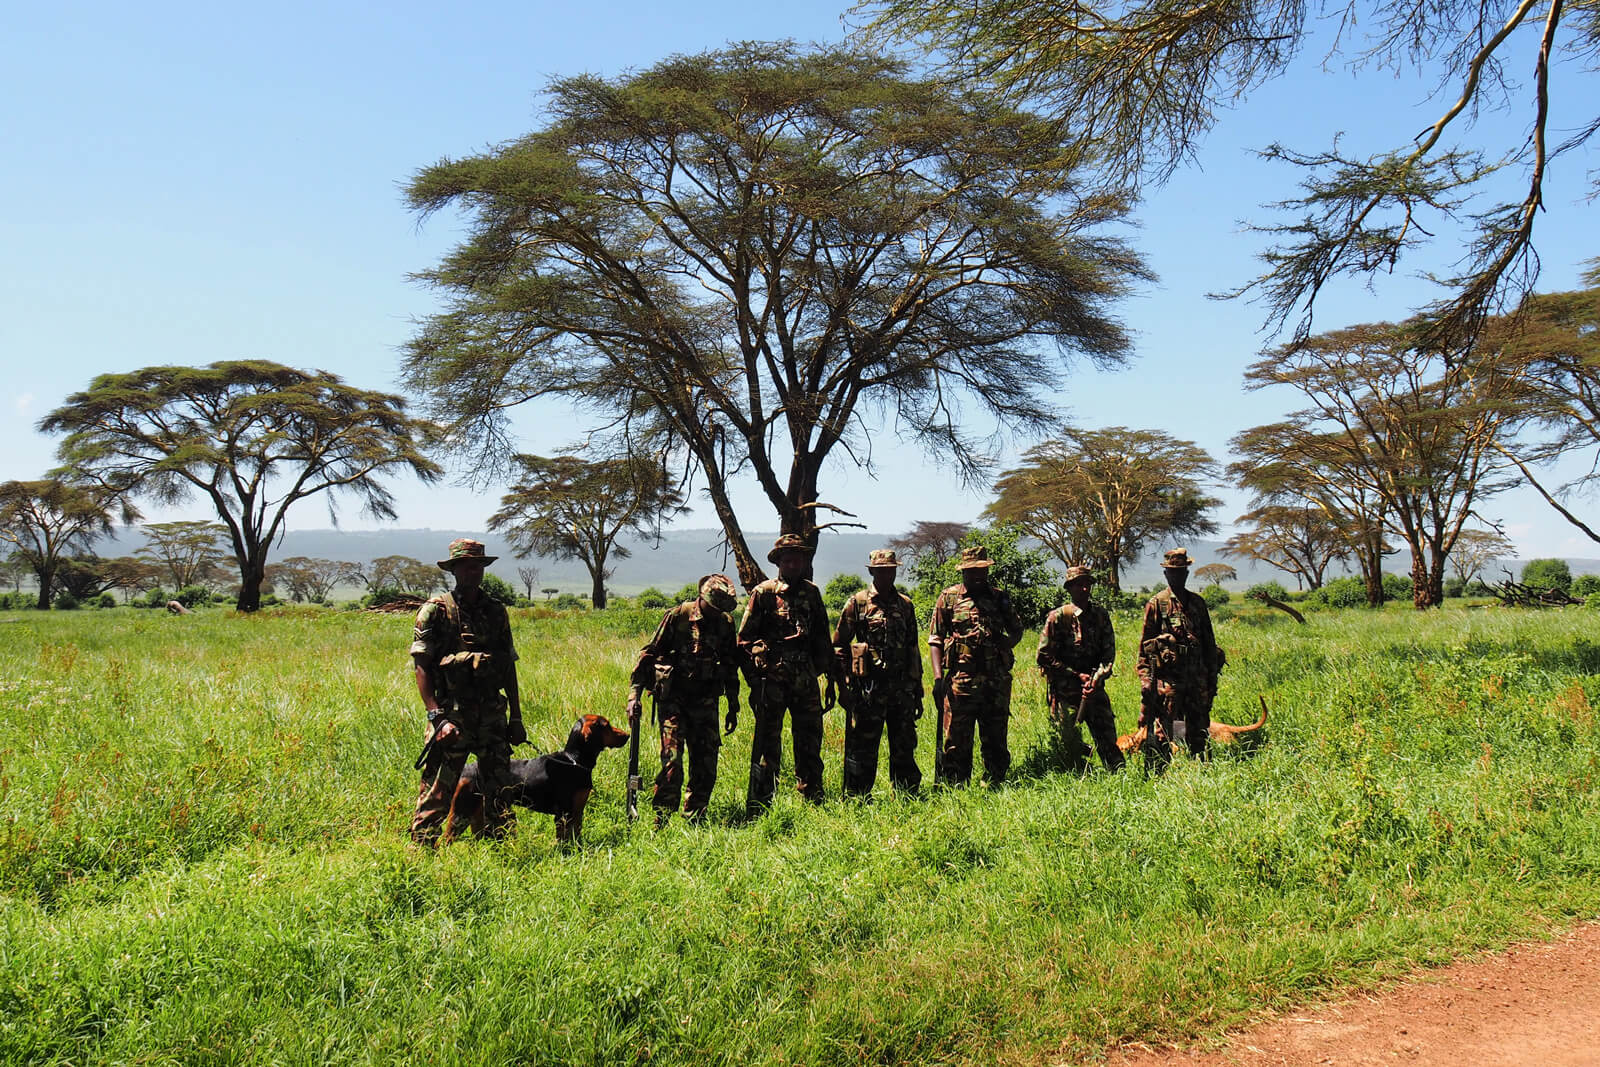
583	725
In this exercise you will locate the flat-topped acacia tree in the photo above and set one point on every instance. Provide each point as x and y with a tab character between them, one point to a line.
253	437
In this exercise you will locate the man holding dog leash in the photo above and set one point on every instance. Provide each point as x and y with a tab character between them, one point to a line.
466	671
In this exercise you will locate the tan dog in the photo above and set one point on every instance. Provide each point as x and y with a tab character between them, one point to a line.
1222	734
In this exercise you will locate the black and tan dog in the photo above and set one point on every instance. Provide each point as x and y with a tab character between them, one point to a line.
558	784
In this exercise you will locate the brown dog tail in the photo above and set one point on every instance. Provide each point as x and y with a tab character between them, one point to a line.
1259	723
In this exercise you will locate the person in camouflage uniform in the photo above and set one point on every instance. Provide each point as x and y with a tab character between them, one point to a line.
466	669
876	646
784	640
971	635
690	663
1178	665
1076	644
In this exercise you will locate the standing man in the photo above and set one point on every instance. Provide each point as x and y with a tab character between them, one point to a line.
690	663
876	646
1178	665
1076	651
784	639
466	672
970	637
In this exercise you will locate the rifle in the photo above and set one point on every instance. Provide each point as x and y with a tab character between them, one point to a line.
1096	680
634	781
941	693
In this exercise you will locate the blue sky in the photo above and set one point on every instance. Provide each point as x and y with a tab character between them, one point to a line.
187	183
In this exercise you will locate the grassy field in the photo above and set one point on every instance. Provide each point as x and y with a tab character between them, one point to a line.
202	857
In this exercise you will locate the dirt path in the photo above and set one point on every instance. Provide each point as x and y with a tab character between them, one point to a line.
1537	1003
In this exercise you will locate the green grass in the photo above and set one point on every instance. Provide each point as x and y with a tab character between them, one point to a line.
202	857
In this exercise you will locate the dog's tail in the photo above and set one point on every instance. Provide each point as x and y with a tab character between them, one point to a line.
1259	723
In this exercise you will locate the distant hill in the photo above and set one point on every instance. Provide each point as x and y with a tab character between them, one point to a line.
681	556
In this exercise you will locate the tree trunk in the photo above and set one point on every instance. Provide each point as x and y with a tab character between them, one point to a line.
597	586
251	575
45	577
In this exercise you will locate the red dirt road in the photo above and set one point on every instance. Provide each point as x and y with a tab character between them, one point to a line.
1537	1003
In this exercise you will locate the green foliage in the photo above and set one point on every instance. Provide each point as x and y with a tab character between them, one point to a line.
688	592
1592	601
202	846
65	601
106	600
1340	593
1034	585
18	601
498	589
1547	574
1454	586
840	588
569	602
1396	587
1267	590
1585	585
653	599
192	596
1215	596
1477	588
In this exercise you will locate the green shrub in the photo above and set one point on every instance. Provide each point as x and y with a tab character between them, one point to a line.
1340	593
1027	575
105	600
498	589
1454	586
570	602
1267	591
688	592
841	587
654	599
65	601
1585	585
1592	601
1547	574
1397	587
1215	596
192	596
1477	587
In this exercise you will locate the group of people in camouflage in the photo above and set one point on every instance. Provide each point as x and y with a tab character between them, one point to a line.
466	674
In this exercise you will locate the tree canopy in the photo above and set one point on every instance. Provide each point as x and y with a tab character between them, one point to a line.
750	258
1299	539
571	508
49	519
191	552
1100	496
253	437
1145	80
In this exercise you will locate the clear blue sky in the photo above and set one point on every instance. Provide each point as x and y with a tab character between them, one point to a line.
187	183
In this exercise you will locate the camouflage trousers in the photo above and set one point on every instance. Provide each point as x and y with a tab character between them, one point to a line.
481	730
798	696
1168	702
1097	716
862	729
691	724
981	705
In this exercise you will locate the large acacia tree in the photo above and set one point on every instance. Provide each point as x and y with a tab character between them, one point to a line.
571	508
1417	428
47	520
1299	539
1101	496
1146	79
749	258
251	436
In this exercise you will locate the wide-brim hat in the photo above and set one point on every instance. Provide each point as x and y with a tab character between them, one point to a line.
718	591
789	543
882	557
975	557
1176	559
1078	572
465	549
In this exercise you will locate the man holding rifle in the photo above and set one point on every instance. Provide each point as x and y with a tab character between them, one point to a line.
876	646
1076	651
690	663
1178	665
971	634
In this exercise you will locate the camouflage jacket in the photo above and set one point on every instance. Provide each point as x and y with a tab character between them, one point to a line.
1176	644
975	631
876	640
786	624
692	653
466	647
1075	641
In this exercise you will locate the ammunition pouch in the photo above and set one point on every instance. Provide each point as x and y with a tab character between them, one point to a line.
863	664
470	674
661	685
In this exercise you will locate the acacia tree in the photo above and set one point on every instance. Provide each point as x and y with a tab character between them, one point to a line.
1215	573
1299	539
529	576
1146	79
741	257
1476	549
1100	496
1291	463
253	437
1416	426
312	579
569	508
191	552
936	541
49	519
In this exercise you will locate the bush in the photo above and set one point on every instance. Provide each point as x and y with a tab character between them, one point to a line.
192	596
1477	587
1340	593
498	589
1396	587
688	592
1033	583
1592	601
1215	596
155	598
1547	574
1264	591
569	602
1454	586
105	600
1585	585
65	601
841	587
654	599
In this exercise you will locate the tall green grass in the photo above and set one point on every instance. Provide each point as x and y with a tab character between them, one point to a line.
202	857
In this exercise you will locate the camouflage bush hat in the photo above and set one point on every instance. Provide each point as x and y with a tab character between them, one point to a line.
1176	559
789	543
717	590
975	558
1077	572
465	548
882	557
